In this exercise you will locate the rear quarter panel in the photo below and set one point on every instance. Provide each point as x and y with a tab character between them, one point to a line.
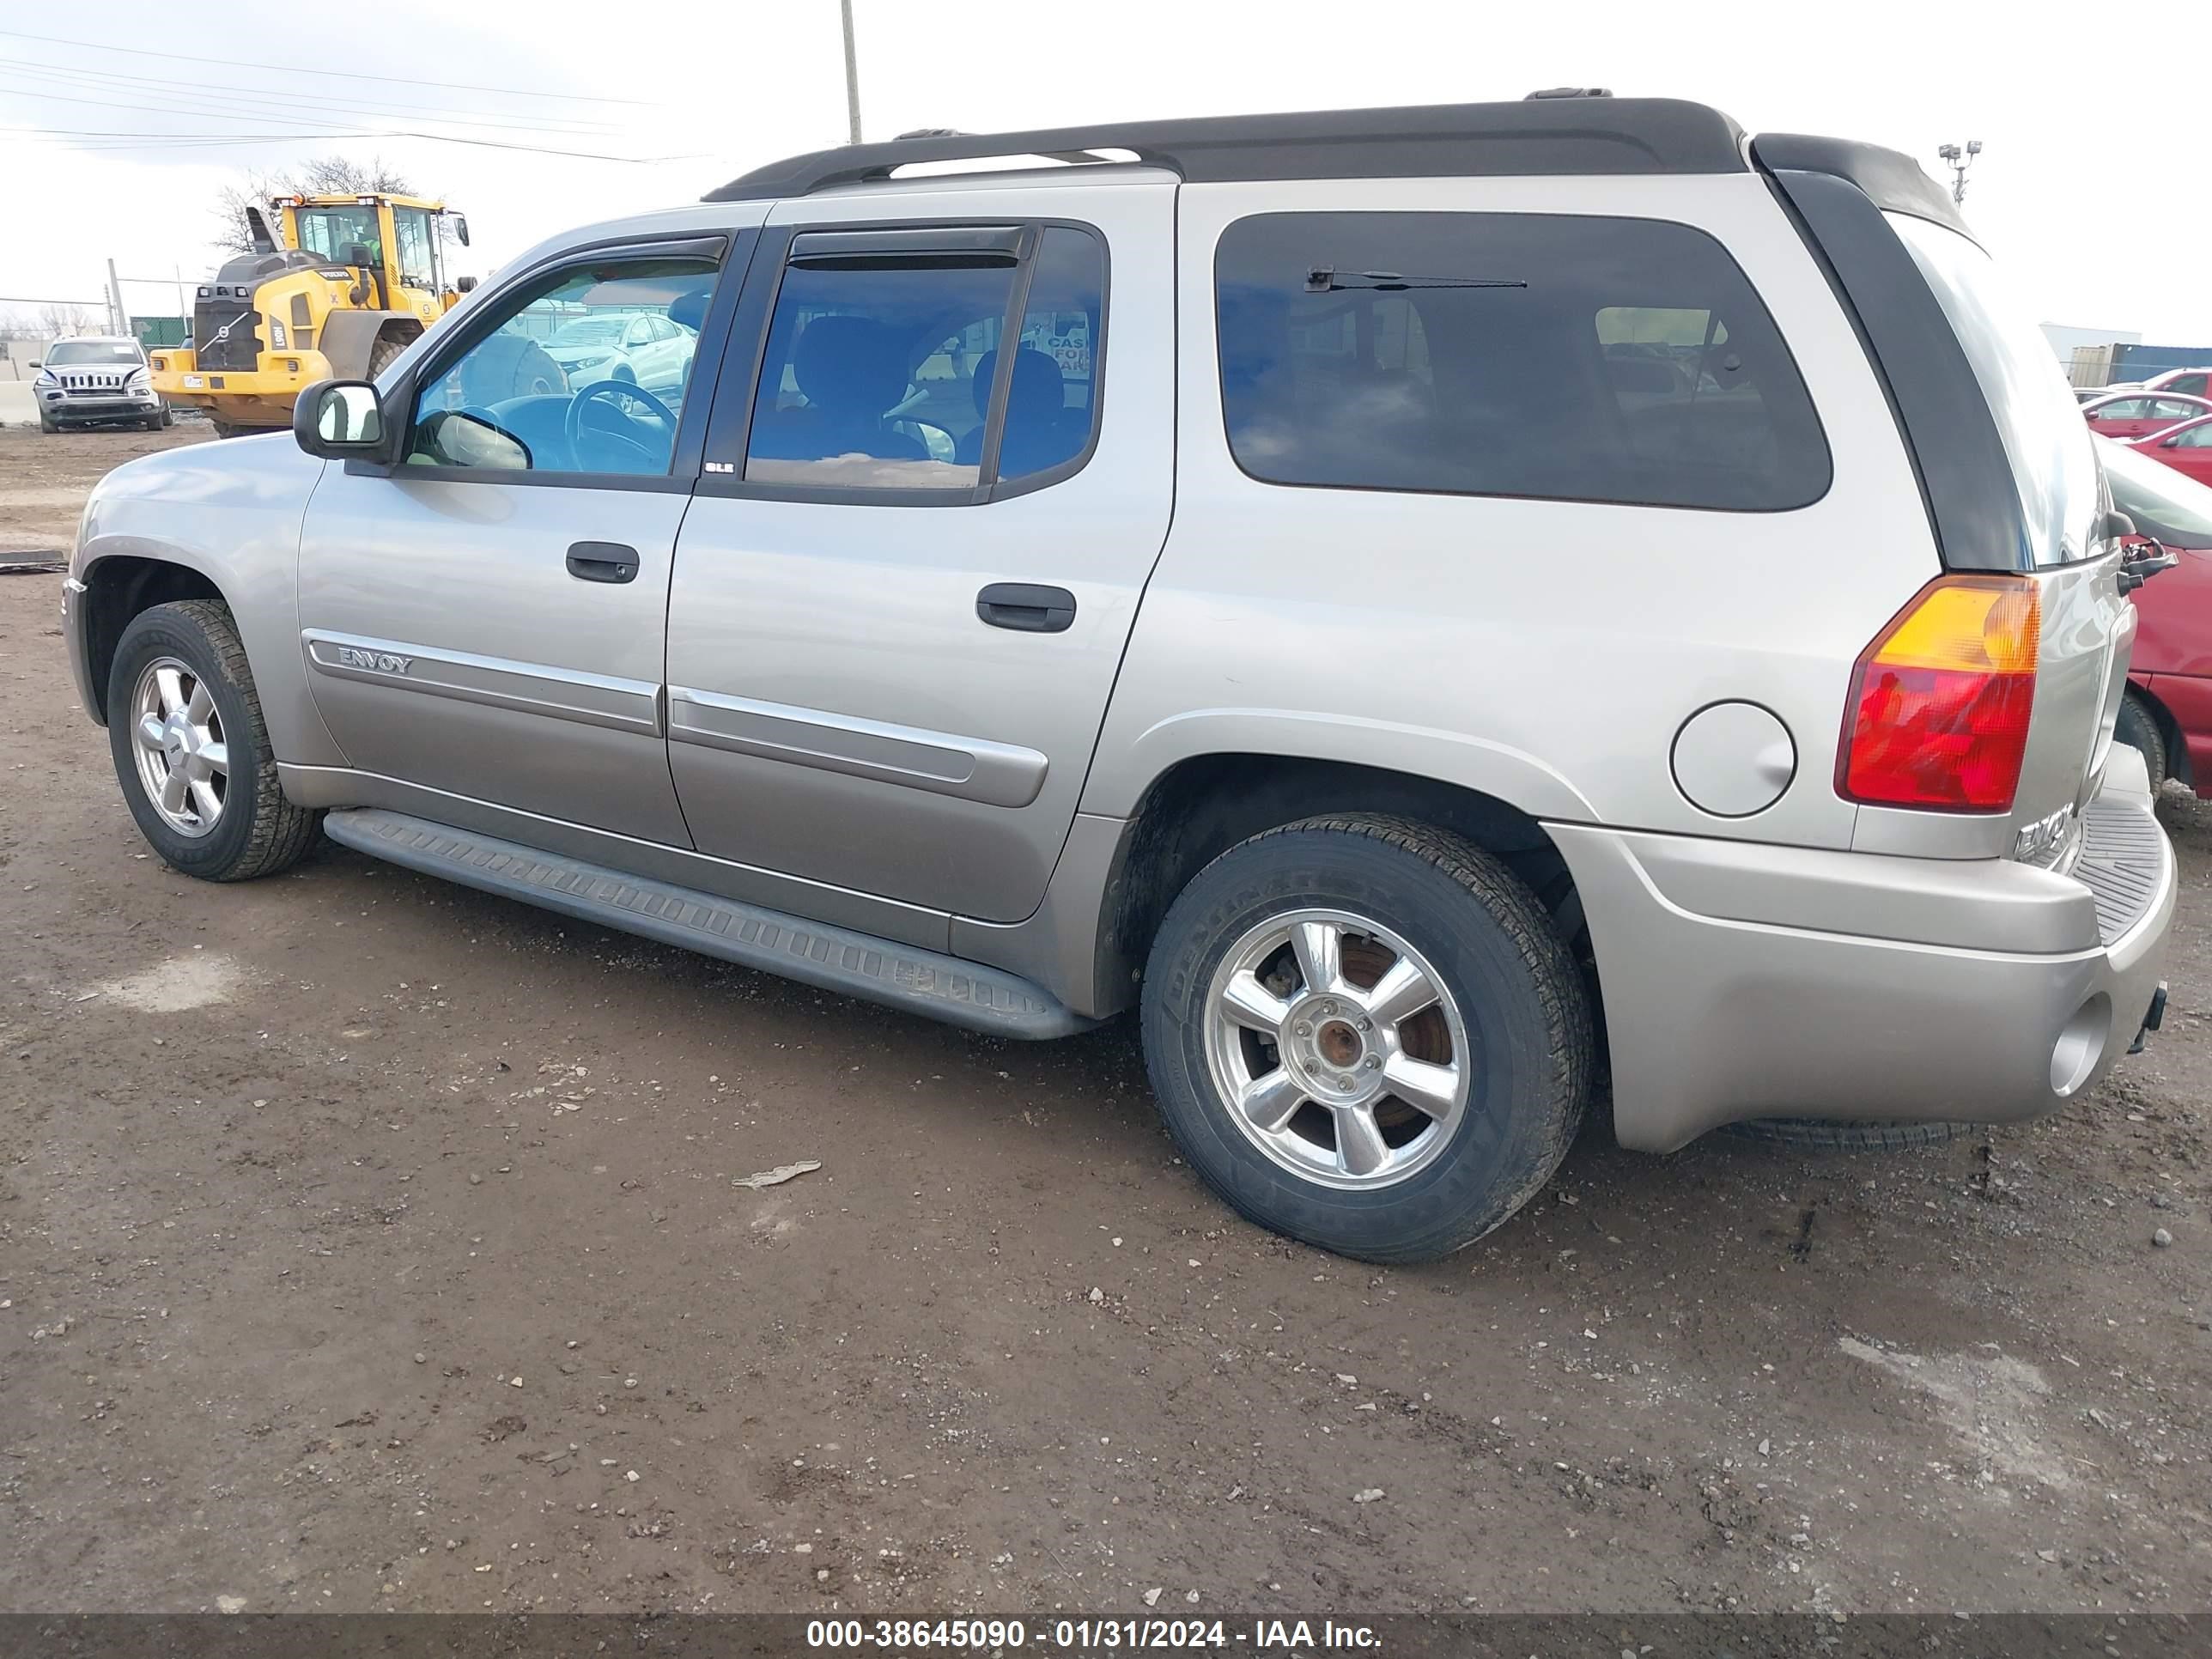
1543	652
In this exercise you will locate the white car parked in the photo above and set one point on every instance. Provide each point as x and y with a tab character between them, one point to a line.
641	348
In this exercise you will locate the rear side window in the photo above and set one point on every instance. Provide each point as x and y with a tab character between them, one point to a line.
883	372
1494	354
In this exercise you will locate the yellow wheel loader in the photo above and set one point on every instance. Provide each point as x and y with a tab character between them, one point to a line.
336	290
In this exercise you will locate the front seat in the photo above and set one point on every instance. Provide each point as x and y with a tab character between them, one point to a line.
1038	433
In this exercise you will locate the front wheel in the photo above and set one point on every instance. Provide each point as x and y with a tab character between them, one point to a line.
1367	1033
191	751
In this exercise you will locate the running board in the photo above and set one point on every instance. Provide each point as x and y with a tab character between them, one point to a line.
904	976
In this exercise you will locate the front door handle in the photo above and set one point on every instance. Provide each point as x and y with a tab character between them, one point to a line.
602	562
1026	607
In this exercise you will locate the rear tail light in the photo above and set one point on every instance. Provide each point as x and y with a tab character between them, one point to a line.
1940	702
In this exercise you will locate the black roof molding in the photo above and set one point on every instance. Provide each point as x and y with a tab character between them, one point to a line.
1545	135
1892	181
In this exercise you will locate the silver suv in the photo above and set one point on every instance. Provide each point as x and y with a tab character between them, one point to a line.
97	380
1414	602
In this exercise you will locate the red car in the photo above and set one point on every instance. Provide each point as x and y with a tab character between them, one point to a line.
2186	448
2167	710
2196	382
2139	414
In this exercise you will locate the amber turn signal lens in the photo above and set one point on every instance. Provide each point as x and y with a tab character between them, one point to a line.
1940	702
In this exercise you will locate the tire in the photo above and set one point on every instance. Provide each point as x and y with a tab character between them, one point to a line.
382	355
168	417
1821	1135
1513	1027
254	830
153	423
46	425
2138	728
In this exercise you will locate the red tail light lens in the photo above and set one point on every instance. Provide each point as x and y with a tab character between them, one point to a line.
1940	702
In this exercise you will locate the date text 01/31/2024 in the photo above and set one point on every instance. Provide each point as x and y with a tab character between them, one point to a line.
1264	1635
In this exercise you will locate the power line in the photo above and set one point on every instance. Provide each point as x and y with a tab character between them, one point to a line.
159	86
349	75
170	104
155	140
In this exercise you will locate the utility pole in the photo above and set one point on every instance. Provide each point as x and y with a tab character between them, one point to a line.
115	300
852	74
1959	161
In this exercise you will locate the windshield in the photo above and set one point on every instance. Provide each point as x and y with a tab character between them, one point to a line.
110	354
329	231
2176	509
2053	467
590	331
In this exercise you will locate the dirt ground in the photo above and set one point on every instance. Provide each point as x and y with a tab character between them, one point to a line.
367	1243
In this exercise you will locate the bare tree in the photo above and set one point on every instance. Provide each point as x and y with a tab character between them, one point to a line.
324	175
58	322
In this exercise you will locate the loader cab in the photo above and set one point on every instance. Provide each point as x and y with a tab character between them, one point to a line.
393	241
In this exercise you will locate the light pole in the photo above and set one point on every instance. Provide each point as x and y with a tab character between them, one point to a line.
1954	158
852	75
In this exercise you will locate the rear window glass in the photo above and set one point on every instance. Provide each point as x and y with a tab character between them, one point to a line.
2044	436
2178	510
1569	357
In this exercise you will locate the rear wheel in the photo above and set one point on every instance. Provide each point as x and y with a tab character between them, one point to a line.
191	751
2138	728
1367	1033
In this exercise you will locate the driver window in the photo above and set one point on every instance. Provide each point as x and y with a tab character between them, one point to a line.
554	387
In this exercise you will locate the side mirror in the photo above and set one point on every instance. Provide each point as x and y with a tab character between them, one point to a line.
37	362
2174	442
461	228
357	253
339	420
465	284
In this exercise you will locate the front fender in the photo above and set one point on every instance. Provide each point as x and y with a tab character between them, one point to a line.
230	511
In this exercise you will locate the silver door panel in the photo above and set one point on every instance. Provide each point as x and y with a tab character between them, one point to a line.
857	624
495	681
974	768
525	686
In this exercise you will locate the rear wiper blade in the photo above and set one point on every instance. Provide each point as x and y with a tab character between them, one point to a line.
1326	279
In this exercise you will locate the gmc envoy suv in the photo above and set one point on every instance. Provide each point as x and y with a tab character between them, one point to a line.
1422	604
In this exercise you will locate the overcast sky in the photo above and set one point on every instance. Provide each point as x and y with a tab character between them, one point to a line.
2096	198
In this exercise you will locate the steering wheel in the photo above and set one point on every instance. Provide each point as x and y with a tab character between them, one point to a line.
573	425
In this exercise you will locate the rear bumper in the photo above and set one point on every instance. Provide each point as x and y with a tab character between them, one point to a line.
1743	981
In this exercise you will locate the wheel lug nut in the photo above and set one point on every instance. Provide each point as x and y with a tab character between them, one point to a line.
1305	1030
1328	1007
1366	1024
1373	1064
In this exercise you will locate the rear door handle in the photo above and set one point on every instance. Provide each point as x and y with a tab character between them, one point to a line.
1026	607
602	562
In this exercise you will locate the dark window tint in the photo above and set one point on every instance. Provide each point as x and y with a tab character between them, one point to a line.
1584	359
874	376
1052	401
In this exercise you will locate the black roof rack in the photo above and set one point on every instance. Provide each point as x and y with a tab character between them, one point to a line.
1549	135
